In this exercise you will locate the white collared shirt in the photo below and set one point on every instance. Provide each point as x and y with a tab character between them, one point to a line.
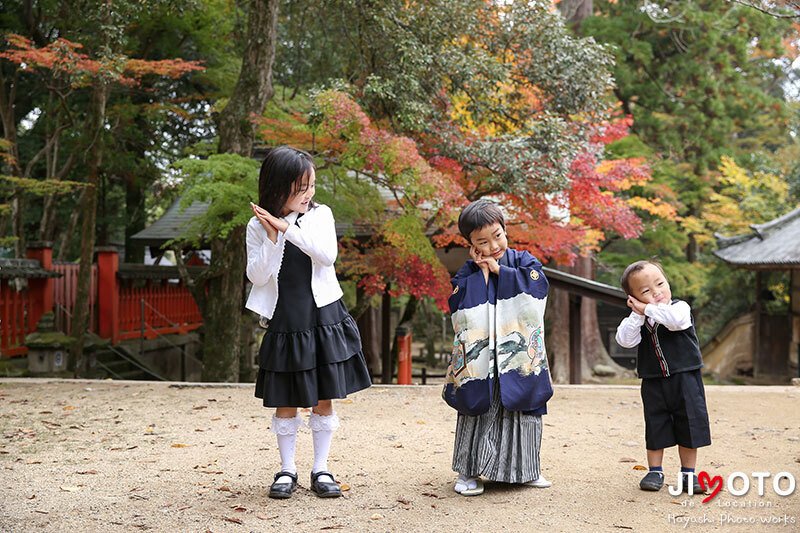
675	316
315	235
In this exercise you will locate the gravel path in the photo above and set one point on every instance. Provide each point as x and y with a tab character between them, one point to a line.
132	456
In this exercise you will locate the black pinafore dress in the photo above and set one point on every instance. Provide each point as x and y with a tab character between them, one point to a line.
308	353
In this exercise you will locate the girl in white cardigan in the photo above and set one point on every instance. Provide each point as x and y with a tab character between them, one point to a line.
311	352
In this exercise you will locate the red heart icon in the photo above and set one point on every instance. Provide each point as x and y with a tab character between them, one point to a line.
707	482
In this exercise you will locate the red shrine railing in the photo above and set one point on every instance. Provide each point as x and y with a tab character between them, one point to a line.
126	301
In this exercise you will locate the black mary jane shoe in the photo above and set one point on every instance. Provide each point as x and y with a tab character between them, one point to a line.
281	491
325	489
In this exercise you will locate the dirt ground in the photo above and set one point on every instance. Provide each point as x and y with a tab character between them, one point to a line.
131	456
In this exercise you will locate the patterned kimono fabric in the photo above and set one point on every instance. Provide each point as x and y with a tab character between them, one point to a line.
498	379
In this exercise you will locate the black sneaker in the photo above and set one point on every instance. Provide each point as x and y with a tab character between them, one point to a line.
653	481
697	488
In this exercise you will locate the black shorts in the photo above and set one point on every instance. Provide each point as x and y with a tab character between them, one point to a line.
675	411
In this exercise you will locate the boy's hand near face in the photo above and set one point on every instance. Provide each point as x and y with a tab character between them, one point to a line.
486	264
636	305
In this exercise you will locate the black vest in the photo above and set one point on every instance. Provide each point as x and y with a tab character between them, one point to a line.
663	353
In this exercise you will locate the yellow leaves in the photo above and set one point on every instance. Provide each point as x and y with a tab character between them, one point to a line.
743	198
655	206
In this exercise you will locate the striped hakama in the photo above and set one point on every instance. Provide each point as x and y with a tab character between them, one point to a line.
500	445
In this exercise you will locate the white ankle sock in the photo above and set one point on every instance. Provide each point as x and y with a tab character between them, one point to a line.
286	431
322	428
463	483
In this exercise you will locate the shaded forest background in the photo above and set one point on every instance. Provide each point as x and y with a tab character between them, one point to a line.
610	131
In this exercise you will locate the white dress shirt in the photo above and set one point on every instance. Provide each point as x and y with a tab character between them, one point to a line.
675	316
315	235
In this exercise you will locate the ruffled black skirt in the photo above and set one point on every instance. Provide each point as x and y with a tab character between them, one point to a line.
308	354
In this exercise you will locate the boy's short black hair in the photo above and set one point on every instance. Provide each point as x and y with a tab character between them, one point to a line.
635	267
479	214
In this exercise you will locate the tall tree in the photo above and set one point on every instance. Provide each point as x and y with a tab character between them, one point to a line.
63	62
220	292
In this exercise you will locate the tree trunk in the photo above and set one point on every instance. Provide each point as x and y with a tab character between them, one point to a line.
574	11
369	325
254	87
66	233
223	327
557	317
136	219
593	351
80	317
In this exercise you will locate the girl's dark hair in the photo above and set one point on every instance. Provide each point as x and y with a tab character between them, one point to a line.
281	175
632	269
479	214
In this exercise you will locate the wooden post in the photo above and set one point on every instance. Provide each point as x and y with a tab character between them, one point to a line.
575	338
40	289
757	332
108	293
386	337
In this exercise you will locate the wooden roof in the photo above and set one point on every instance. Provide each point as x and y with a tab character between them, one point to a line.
774	245
24	268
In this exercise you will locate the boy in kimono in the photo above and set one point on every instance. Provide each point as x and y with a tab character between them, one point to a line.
498	379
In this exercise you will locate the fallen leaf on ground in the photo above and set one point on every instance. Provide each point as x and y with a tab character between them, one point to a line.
87	472
234	520
627	460
69	407
639	467
344	486
180	445
376	516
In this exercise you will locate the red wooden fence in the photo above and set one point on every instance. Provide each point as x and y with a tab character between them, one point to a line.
16	318
119	308
168	308
65	290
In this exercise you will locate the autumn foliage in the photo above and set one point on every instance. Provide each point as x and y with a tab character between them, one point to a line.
426	191
64	58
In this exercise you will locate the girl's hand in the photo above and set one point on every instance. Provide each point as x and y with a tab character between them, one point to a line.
268	222
636	305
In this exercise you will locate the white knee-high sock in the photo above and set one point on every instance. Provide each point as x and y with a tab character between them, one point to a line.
286	431
322	428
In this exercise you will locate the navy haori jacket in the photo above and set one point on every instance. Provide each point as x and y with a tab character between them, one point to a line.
499	332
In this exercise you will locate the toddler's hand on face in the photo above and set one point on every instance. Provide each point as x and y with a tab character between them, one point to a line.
636	305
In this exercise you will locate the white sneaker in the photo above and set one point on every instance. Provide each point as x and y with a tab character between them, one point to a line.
539	483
